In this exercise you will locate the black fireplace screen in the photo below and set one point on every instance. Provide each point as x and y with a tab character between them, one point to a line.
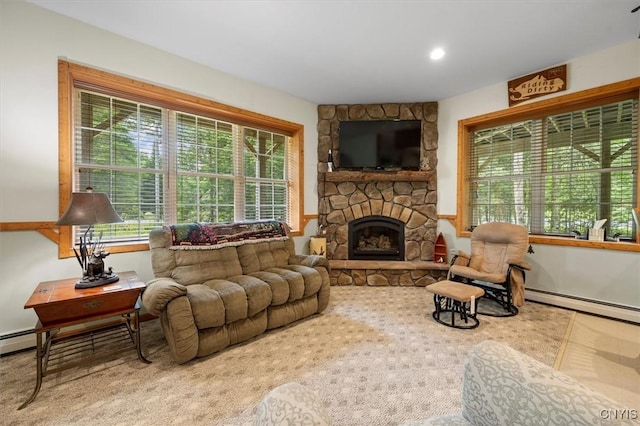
376	238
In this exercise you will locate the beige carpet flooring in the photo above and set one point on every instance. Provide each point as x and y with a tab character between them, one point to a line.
375	357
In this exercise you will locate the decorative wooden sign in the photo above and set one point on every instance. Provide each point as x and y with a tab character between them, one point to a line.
540	83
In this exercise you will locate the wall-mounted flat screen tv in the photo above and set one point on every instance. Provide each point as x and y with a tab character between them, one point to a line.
380	145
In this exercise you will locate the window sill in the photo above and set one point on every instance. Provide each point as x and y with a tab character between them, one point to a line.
113	248
574	242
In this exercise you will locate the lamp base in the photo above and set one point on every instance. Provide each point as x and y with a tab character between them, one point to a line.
97	281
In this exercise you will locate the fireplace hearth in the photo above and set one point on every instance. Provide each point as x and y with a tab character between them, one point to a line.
376	238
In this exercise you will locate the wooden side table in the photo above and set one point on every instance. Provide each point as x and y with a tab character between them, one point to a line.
87	315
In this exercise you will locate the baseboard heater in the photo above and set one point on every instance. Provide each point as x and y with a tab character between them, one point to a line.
25	339
596	307
16	341
16	334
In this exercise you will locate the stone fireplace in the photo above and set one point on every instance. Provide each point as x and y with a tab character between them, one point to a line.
398	206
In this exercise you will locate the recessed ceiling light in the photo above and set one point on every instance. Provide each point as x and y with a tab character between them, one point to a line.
437	53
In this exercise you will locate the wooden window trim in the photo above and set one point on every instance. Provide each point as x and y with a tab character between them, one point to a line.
72	75
538	109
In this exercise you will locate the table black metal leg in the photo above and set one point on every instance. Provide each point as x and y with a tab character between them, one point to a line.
138	343
39	371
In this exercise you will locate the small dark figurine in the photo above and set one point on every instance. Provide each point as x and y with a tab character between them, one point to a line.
95	266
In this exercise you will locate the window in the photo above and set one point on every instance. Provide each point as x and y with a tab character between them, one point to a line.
166	157
555	167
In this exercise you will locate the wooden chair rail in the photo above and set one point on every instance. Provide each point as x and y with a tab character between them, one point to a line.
48	229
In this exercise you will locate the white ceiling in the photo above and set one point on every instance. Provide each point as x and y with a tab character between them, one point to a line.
338	51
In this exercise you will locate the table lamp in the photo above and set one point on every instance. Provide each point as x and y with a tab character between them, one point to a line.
91	208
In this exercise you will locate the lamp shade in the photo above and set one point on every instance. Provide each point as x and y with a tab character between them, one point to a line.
89	208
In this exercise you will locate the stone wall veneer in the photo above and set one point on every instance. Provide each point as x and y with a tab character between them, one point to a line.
412	202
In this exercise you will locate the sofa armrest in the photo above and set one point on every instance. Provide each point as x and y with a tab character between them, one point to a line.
311	260
504	386
159	292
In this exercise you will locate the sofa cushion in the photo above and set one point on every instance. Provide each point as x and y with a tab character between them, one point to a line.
261	256
206	305
287	313
219	302
258	293
279	286
312	278
294	279
234	298
247	328
197	266
217	338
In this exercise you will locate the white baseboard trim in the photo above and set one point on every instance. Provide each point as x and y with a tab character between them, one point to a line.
17	344
609	310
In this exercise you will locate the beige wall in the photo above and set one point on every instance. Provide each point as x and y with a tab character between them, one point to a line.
600	275
32	40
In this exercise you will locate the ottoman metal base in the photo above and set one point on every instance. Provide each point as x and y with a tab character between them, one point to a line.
453	299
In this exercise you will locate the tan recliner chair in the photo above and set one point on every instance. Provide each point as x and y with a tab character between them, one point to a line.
497	265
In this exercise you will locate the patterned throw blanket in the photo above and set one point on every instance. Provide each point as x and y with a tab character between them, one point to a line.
201	236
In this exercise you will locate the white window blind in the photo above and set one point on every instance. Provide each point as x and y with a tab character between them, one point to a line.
120	150
161	166
559	173
205	170
265	171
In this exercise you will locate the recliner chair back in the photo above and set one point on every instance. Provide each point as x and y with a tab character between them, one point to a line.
495	245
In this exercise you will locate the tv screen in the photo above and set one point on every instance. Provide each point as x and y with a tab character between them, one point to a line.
380	144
